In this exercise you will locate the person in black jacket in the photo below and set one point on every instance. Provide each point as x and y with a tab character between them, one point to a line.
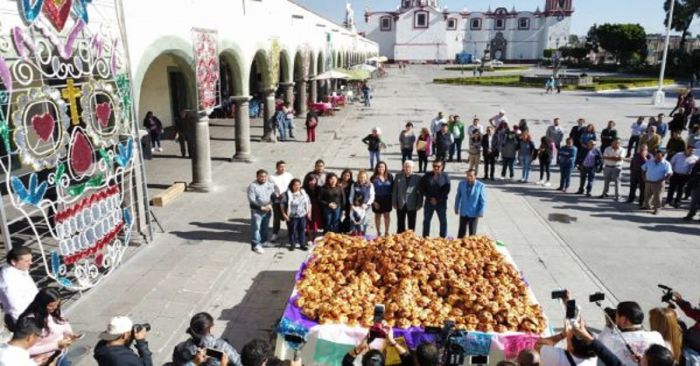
694	186
575	134
114	349
489	147
435	187
607	136
155	129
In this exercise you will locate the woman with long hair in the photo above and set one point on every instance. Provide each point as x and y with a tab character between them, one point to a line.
423	148
199	331
57	335
331	198
665	321
316	222
346	182
526	151
383	183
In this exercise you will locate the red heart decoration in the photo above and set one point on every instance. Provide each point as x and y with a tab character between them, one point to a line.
43	125
58	11
103	112
81	155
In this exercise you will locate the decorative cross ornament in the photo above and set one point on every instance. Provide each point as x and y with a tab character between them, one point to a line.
70	93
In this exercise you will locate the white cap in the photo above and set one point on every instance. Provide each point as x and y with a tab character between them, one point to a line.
377	130
502	111
116	327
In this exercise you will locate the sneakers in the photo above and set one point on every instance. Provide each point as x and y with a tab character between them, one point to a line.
160	149
540	182
547	184
274	238
258	249
588	195
687	218
153	149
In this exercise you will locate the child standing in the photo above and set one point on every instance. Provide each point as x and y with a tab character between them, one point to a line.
358	216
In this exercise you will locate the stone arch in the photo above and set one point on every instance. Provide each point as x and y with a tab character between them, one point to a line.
162	56
320	63
231	73
233	57
348	59
300	74
259	73
285	71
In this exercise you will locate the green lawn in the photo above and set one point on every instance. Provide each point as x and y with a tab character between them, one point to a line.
491	68
599	83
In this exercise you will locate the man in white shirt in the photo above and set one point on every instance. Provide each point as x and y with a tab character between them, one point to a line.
475	126
612	167
682	164
629	318
496	120
436	124
15	352
574	352
281	179
555	133
638	128
17	288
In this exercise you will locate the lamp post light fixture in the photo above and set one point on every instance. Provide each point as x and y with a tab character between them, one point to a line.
659	95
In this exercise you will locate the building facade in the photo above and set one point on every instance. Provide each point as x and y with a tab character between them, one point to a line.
419	31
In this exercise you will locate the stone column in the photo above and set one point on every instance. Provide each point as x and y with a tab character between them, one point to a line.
288	93
201	159
314	89
242	130
269	133
302	103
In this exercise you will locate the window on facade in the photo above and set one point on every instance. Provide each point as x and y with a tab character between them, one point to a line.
406	3
452	24
421	19
475	24
385	24
523	23
500	24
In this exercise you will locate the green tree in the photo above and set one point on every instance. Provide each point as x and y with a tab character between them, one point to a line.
684	12
592	39
623	41
548	52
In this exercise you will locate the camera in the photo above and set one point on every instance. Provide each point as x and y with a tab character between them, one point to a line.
559	294
139	327
452	341
667	297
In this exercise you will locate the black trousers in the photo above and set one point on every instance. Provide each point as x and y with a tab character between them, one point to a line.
401	215
676	187
466	221
489	165
422	161
636	183
632	145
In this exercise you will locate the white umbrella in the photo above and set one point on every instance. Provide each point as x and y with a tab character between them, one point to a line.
333	74
378	59
365	67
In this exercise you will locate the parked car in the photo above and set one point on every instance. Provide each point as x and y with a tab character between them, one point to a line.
497	63
476	60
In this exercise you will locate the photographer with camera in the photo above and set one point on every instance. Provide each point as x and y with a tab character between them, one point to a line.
114	348
629	318
655	355
688	310
576	352
201	338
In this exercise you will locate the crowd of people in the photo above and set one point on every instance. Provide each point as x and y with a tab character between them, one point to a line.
325	201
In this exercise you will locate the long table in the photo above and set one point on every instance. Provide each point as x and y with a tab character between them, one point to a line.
328	343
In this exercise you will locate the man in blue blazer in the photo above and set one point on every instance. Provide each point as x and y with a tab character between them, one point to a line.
470	203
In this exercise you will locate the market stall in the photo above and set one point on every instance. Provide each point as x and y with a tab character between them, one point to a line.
494	323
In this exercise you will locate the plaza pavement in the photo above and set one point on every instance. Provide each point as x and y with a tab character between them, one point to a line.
203	262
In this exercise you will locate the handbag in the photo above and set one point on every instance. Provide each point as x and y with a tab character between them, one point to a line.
312	123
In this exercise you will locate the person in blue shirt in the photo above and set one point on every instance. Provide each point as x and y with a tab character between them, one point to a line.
470	203
567	161
656	173
588	135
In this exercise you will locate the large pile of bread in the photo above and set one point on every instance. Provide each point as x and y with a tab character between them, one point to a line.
421	282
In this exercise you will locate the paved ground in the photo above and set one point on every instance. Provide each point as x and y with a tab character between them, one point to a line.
204	262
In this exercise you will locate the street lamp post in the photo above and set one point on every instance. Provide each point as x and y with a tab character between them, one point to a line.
659	95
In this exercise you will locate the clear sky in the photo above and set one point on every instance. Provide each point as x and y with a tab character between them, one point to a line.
648	13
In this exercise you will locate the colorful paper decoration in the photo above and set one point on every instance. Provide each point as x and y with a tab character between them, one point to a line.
81	155
57	11
477	343
206	67
513	344
56	130
31	194
71	94
43	126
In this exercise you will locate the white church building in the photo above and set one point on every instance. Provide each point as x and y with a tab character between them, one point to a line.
420	31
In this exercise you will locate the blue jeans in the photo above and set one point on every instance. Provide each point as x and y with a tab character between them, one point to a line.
367	99
331	218
282	131
587	175
441	210
259	227
456	147
526	162
290	127
297	230
565	180
374	157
